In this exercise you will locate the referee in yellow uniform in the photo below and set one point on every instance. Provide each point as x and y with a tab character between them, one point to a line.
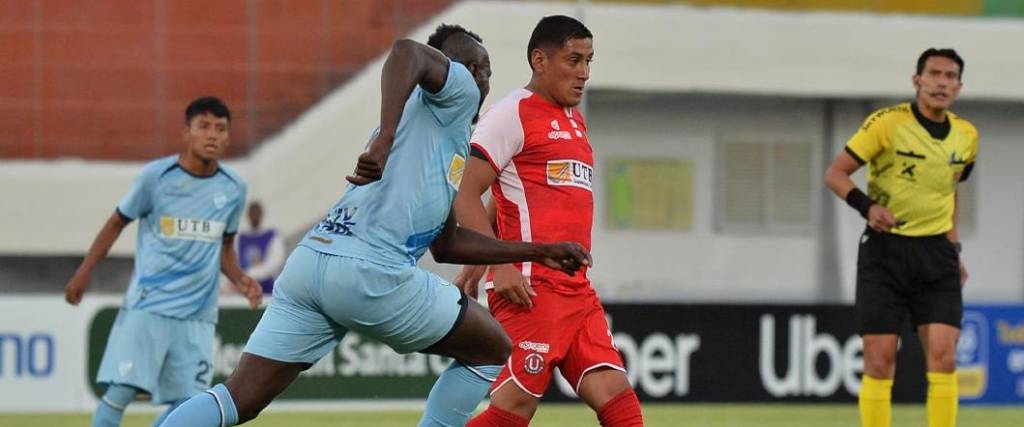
908	262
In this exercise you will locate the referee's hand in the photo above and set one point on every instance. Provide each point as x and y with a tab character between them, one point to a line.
880	218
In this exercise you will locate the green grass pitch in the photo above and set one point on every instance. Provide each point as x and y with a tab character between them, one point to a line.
560	415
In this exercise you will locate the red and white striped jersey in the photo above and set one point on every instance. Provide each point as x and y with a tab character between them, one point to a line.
545	169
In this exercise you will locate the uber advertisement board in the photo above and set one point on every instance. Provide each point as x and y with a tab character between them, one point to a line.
673	353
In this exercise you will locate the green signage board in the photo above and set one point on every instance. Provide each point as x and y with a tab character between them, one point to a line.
358	368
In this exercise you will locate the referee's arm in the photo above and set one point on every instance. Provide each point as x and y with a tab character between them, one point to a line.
837	178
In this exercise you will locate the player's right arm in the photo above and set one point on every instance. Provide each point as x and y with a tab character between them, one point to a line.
99	249
460	245
509	283
409	64
862	147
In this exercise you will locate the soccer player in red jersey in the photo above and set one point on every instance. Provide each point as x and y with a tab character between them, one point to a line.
531	150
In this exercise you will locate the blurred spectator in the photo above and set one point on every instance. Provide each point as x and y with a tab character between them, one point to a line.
261	250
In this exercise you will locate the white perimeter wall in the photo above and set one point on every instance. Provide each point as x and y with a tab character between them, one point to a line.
56	207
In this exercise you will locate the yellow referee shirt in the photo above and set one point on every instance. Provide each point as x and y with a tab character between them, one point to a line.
911	171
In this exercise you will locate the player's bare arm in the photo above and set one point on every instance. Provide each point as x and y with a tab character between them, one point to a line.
837	178
409	64
470	210
469	276
244	284
460	245
954	236
100	246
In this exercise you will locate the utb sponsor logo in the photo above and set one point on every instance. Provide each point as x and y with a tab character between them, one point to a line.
191	229
573	173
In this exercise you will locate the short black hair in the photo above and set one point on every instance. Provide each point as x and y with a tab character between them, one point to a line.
945	53
554	31
206	104
444	31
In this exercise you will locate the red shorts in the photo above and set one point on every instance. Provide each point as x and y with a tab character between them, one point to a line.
569	332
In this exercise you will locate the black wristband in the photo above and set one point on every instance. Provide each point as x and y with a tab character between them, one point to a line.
959	247
859	201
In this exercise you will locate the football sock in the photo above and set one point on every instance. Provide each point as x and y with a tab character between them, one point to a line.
495	417
214	408
875	402
160	420
622	411
112	404
942	399
457	393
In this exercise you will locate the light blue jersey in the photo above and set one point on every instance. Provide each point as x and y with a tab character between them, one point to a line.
182	222
394	220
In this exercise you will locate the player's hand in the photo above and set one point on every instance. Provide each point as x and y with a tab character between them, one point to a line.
565	256
251	290
510	284
881	219
76	288
963	273
370	166
468	279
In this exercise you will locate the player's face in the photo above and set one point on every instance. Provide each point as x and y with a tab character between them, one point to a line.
939	82
482	74
565	73
207	136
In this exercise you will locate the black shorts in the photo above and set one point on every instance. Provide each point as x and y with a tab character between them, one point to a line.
898	275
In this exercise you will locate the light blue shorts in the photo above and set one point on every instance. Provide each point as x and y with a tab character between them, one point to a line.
319	297
171	359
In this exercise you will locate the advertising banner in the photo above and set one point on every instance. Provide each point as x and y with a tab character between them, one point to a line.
990	355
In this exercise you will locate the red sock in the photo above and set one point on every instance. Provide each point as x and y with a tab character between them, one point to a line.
622	411
494	417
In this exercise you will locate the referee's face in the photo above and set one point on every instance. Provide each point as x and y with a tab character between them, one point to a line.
939	83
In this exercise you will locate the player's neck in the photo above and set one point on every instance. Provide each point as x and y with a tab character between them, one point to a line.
197	166
937	115
535	87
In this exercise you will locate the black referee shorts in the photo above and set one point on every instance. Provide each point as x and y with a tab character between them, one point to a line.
898	275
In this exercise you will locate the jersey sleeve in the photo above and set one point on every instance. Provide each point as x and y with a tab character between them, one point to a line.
972	152
498	136
869	141
459	98
236	213
139	200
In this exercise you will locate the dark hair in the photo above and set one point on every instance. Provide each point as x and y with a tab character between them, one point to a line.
444	31
945	53
554	31
206	104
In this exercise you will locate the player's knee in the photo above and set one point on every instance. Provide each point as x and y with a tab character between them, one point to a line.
879	366
942	360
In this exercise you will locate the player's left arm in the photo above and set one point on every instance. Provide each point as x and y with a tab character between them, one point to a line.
242	282
460	245
409	64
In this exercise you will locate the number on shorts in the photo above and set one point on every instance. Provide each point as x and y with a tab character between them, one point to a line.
204	367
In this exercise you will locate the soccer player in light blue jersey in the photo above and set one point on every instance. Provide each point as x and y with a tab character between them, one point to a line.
188	207
356	270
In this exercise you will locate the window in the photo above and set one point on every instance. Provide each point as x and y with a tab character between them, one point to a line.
765	186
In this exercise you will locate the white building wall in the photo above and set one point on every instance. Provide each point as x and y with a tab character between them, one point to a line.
56	207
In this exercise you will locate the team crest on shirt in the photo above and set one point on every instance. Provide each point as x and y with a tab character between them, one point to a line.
573	173
219	200
203	230
455	171
534	363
